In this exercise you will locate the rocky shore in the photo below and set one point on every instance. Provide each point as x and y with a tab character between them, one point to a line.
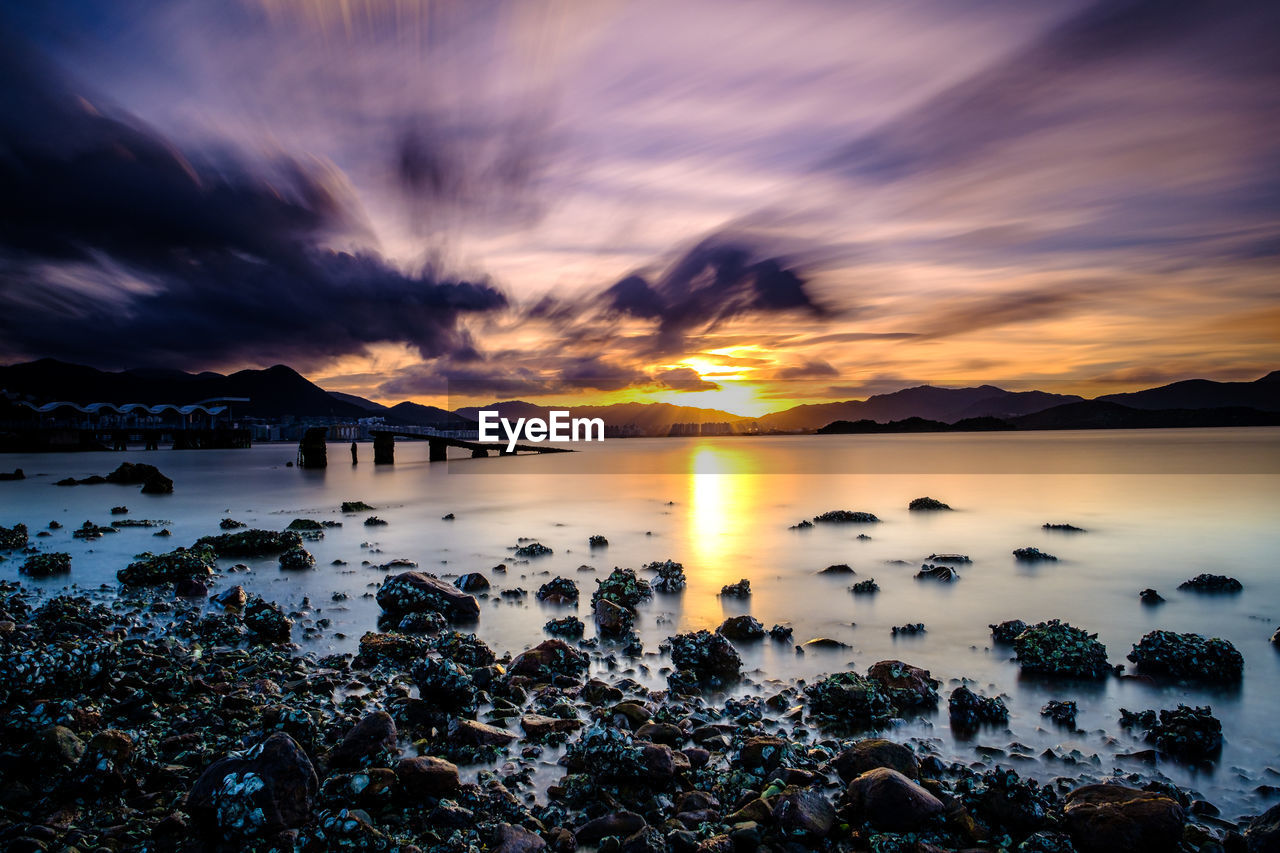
178	712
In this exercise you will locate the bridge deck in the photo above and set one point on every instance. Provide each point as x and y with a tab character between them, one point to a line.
448	441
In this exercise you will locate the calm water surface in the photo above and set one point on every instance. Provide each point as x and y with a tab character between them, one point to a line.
1158	506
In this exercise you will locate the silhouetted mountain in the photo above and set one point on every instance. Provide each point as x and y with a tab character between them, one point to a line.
275	392
1101	414
368	405
1263	394
923	401
415	414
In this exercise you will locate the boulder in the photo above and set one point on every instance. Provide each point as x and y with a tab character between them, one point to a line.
256	793
762	753
613	620
427	776
1189	656
267	620
414	592
968	710
538	726
874	753
1106	817
927	504
742	628
906	685
1211	583
890	801
558	590
472	733
472	582
548	659
1058	649
510	838
708	656
804	813
371	738
1263	833
617	824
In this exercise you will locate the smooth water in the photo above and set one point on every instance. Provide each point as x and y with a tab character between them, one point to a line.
1158	506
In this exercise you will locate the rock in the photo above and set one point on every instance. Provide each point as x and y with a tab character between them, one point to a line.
890	801
742	628
296	559
356	506
710	657
1064	528
267	620
804	813
848	701
597	541
906	686
670	575
427	776
927	504
844	516
13	538
550	658
1189	656
1062	713
233	597
1150	596
946	574
838	569
174	566
865	587
1263	833
46	564
1184	732
510	838
15	474
401	649
618	824
907	630
190	588
1033	555
371	740
1107	817
558	590
473	733
1006	632
1058	649
568	626
375	521
781	633
762	753
255	793
741	589
968	710
472	582
949	558
1211	583
445	685
413	592
231	524
538	726
531	550
623	588
251	543
613	620
873	753
157	484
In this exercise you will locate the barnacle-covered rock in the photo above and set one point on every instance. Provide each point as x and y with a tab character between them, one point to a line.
400	649
670	575
781	633
1056	648
613	620
558	590
1006	632
710	657
297	559
466	649
46	564
741	589
568	626
623	588
61	668
604	752
927	504
845	516
411	592
906	686
375	521
251	543
267	620
849	701
1211	583
356	506
968	710
13	538
1064	528
1061	712
597	541
1032	555
865	587
910	629
372	742
1184	732
446	685
231	524
533	549
255	793
1190	656
1150	596
548	659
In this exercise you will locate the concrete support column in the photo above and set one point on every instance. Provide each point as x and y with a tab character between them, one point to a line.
384	449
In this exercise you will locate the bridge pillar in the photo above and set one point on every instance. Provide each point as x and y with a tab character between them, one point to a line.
479	453
439	451
312	452
384	448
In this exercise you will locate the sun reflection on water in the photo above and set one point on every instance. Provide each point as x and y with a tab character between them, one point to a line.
724	496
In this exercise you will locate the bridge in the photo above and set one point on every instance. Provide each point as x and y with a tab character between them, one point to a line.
311	450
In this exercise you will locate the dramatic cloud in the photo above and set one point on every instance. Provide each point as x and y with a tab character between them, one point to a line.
120	249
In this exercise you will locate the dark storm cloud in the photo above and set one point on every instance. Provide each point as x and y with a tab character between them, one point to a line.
717	280
685	379
120	249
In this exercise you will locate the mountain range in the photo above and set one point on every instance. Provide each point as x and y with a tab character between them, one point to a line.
280	391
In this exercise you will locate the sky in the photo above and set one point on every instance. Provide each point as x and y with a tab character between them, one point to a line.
715	203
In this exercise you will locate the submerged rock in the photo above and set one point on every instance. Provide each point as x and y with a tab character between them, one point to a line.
1109	817
950	558
849	701
1008	631
296	559
531	550
838	569
1190	656
1058	649
13	538
414	592
670	576
623	588
375	521
356	506
945	574
231	524
1150	596
710	657
251	543
845	516
550	658
558	590
597	541
1184	732
888	800
908	630
255	793
46	564
782	633
472	582
968	710
1065	528
865	587
1033	555
927	504
741	589
569	626
1211	583
178	565
1061	712
267	620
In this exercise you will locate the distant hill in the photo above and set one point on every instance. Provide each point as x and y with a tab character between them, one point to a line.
1087	414
415	414
368	405
924	401
275	392
1263	394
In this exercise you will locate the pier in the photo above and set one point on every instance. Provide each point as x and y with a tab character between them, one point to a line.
311	453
